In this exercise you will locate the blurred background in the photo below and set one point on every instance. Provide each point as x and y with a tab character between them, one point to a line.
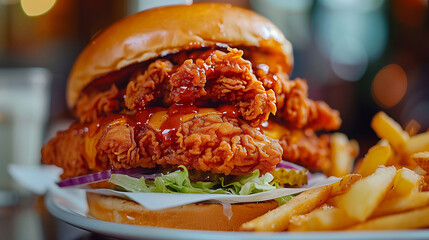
359	56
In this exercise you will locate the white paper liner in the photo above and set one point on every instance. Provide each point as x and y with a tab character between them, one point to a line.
40	179
35	178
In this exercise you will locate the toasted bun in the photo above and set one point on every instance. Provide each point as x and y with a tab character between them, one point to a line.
198	216
150	34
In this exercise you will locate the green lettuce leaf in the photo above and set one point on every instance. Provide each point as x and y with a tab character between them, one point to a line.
251	183
179	182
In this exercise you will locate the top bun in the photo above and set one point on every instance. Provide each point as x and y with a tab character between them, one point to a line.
156	32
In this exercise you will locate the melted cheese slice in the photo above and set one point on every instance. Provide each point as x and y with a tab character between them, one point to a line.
276	131
157	119
91	143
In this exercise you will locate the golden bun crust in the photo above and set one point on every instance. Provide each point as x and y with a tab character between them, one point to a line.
152	33
198	216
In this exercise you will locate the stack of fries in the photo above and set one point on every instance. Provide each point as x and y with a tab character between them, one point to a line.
388	189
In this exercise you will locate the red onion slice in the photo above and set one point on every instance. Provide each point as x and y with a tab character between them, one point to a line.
289	165
147	173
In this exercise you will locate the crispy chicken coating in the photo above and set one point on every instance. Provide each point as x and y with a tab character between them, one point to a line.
212	78
145	86
301	112
294	105
307	149
98	104
67	150
221	144
221	77
212	143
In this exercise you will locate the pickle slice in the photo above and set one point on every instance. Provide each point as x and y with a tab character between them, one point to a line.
290	177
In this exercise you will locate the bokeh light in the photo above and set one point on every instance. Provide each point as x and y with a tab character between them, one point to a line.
351	34
410	13
389	85
419	111
34	8
349	59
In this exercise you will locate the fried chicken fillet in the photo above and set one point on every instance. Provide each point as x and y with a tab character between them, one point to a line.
150	91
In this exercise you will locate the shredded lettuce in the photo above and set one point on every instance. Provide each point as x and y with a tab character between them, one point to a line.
179	182
251	183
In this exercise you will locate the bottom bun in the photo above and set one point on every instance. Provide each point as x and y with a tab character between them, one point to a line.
198	216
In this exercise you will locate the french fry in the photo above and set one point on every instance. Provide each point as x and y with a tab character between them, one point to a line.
344	184
365	195
386	128
342	155
278	218
422	159
425	186
334	200
401	204
342	187
375	197
417	143
405	182
377	155
322	219
417	218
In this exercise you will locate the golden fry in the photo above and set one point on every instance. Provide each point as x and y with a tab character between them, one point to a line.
344	184
365	195
386	128
417	218
278	219
417	143
343	153
375	198
405	182
377	155
425	186
334	200
401	204
324	218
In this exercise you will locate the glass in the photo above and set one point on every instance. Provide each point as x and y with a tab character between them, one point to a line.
24	103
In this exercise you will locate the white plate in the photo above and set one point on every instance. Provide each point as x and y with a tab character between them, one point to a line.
75	215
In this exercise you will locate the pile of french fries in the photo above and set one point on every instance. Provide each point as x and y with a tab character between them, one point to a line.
388	188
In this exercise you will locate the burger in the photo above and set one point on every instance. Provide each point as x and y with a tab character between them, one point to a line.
202	89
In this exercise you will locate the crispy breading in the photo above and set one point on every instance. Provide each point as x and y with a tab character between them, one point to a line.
213	143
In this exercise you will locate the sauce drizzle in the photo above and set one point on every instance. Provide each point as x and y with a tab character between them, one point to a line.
165	121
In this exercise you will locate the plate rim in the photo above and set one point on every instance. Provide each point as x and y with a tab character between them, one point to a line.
126	231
